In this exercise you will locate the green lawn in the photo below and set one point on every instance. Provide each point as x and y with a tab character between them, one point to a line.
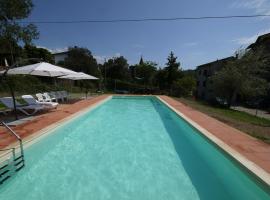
2	107
254	126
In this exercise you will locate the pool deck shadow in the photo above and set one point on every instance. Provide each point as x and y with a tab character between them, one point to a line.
251	148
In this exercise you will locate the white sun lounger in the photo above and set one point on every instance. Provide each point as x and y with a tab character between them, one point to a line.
32	101
48	98
40	97
8	102
57	96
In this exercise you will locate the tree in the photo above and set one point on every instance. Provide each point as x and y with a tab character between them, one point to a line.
240	77
145	72
30	51
117	68
11	32
173	70
81	60
184	86
161	79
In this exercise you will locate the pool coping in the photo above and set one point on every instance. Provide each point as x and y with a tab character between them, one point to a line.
252	167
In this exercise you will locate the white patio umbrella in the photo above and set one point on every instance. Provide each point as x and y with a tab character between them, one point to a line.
38	69
41	69
79	76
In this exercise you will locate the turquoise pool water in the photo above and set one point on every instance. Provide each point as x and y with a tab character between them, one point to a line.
129	148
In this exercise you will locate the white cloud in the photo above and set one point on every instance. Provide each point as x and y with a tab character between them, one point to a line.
117	55
258	6
250	39
101	58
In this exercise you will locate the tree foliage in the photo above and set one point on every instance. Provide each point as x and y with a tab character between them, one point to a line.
31	51
11	32
240	77
145	73
173	69
116	68
184	86
81	60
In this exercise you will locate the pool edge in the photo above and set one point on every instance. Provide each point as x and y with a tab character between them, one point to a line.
252	167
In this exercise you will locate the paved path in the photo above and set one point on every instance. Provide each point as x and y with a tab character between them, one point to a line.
252	148
260	113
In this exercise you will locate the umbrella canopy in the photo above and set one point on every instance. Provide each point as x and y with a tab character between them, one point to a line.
79	76
41	69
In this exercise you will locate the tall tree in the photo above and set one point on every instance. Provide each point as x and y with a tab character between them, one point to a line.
173	69
117	68
81	60
184	86
30	51
145	72
161	79
11	32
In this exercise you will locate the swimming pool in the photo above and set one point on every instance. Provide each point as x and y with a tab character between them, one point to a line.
129	148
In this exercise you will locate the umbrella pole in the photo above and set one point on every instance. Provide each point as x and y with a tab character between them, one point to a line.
14	101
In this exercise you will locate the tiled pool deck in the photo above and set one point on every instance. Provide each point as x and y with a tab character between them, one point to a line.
251	148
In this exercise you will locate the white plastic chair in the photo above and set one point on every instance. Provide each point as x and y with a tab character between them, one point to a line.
40	97
48	98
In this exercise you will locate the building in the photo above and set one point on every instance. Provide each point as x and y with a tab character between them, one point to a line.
61	56
204	90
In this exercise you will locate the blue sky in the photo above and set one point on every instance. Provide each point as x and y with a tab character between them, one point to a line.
194	42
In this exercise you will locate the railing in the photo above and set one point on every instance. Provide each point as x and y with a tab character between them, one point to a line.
16	135
8	166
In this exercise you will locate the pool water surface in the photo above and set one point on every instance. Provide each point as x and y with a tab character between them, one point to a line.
132	148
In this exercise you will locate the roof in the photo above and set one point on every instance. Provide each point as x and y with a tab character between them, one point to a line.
60	53
217	61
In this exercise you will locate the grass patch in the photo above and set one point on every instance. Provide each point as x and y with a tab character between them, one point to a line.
2	107
253	125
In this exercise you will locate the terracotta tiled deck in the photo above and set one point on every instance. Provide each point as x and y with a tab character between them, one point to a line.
251	148
46	119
